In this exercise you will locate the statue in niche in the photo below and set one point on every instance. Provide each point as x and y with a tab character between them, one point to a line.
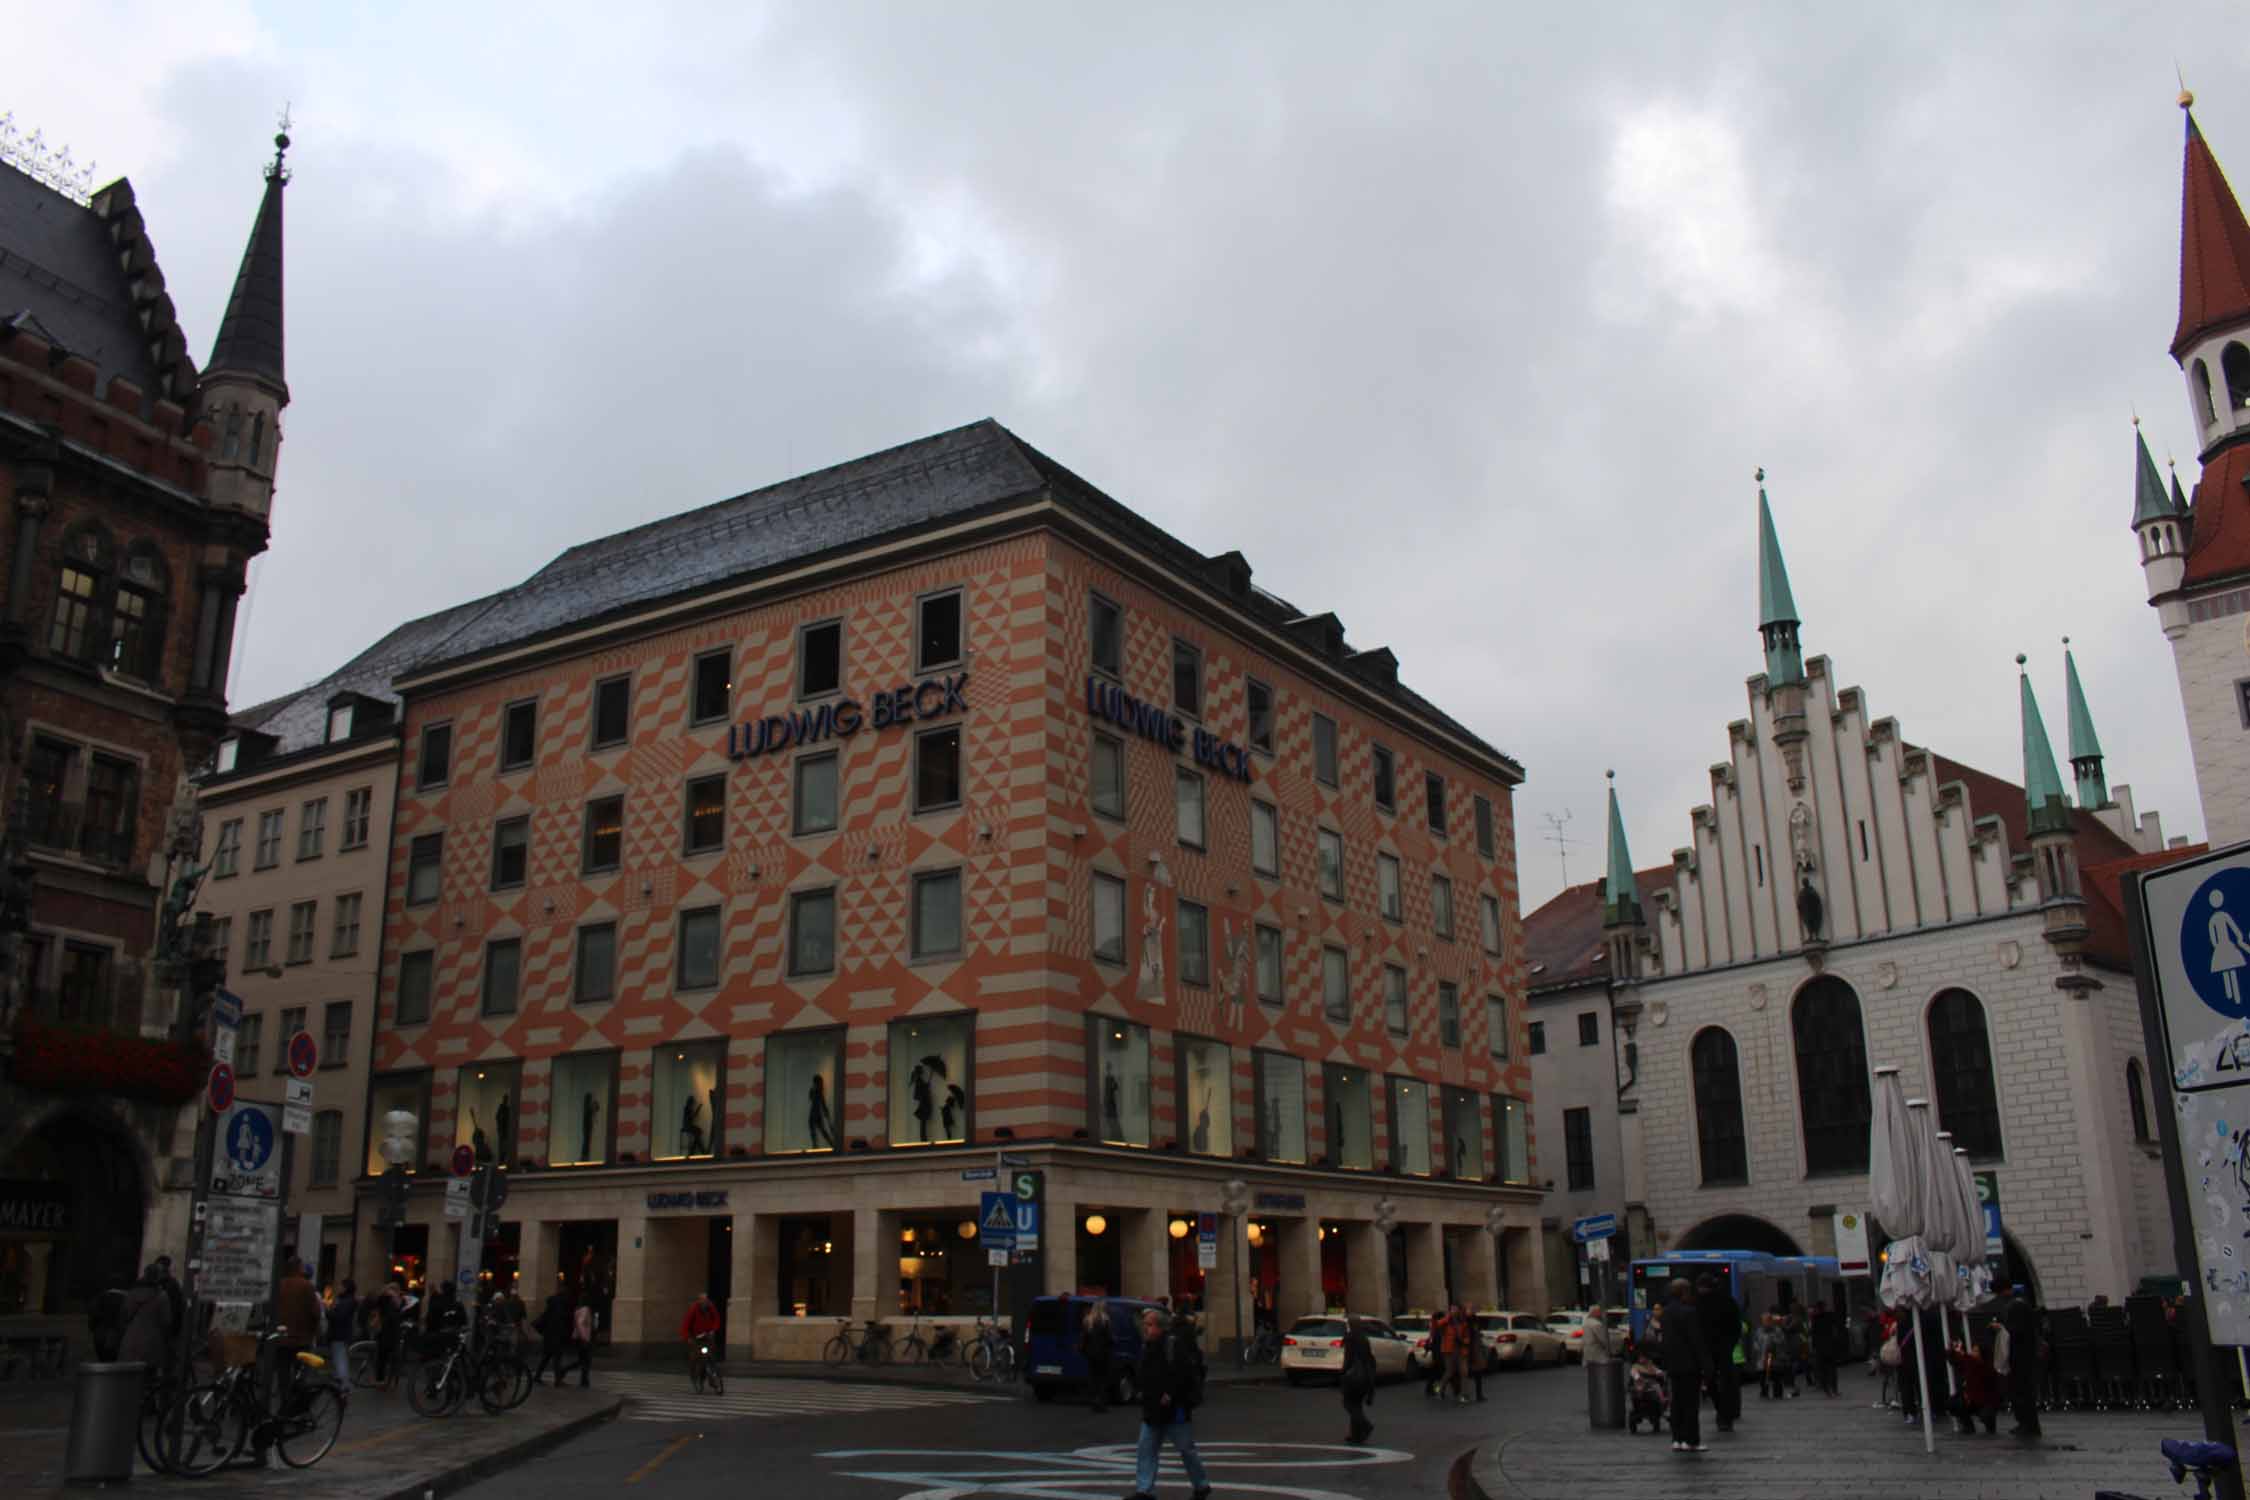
1812	911
1238	962
1154	939
1336	1144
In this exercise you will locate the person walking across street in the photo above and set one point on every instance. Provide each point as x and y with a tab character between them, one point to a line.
581	1340
2019	1362
1458	1332
1097	1345
343	1324
1688	1363
1827	1345
1358	1379
1721	1317
554	1336
1171	1380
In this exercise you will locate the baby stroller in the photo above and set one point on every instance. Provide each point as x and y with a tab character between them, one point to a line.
1644	1400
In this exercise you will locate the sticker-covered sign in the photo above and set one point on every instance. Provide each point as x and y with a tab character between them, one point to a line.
239	1241
247	1163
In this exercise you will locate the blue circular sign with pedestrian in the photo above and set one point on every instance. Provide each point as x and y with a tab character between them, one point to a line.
2215	942
249	1141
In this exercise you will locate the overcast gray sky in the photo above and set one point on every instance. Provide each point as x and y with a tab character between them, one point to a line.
1469	322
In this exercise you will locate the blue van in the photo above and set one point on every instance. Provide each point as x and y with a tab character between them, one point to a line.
1052	1361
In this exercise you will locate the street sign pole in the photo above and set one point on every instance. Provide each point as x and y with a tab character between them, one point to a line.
2218	1420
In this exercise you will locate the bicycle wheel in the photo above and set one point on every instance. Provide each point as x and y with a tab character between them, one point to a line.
496	1384
980	1360
360	1360
695	1372
837	1351
1004	1362
912	1351
304	1437
520	1371
430	1387
204	1429
714	1378
149	1435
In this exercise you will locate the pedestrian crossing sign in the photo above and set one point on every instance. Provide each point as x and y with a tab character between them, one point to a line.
996	1221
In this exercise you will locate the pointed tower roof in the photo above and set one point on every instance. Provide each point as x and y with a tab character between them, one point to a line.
1621	894
1775	603
2214	244
249	341
2150	503
2084	744
2179	500
2042	786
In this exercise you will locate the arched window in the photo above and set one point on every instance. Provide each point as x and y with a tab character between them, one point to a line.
257	438
2136	1098
81	590
137	617
1961	1063
2234	363
1713	1064
1832	1093
2203	404
231	446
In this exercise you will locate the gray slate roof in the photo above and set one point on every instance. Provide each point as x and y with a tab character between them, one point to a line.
299	720
57	266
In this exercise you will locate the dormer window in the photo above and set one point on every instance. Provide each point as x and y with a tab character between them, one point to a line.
340	722
230	749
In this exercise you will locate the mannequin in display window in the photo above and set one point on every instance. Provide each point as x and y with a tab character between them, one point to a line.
918	1084
589	1114
956	1108
478	1145
1110	1118
818	1128
691	1131
503	1129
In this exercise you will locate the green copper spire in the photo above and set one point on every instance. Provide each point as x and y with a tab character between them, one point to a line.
2042	787
2150	503
2179	500
1777	608
1621	895
2085	749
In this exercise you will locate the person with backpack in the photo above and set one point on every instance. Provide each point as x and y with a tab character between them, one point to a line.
1171	1379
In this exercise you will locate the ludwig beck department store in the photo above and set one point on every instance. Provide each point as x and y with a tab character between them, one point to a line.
758	873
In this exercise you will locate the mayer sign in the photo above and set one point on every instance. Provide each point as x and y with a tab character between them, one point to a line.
931	698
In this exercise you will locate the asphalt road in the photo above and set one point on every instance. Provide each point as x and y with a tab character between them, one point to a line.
815	1438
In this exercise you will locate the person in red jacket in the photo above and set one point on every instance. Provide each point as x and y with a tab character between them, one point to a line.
702	1318
1980	1388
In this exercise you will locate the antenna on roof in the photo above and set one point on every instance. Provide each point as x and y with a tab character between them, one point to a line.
1562	841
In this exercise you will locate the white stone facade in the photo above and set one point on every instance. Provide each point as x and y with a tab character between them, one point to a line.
2211	650
1567	1076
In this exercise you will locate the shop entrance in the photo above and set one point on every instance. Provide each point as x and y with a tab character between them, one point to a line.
814	1267
586	1267
78	1199
410	1257
939	1270
1335	1267
1185	1274
1101	1254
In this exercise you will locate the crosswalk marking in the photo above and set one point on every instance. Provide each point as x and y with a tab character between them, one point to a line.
665	1396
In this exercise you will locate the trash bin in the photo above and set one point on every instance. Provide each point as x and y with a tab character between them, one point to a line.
1605	1393
105	1420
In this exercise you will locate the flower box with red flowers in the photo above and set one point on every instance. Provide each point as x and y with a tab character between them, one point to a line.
86	1060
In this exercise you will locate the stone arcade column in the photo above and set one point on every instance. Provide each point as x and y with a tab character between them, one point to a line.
1298	1246
1226	1288
752	1292
1145	1264
874	1264
1367	1269
627	1312
1425	1267
1058	1241
1475	1266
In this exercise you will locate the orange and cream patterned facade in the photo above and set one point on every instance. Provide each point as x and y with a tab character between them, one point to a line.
740	935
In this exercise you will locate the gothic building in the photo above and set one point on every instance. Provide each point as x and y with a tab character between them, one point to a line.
136	488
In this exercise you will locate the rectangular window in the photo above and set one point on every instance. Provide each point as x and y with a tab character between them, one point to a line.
1269	965
511	853
820	659
1387	897
1195	943
582	1110
605	834
269	839
1448	1013
804	1072
686	1105
1265	838
1386	778
812	933
312	828
1336	983
1105	635
222	942
292	1022
1260	703
1187	801
930	1084
937	770
249	1041
1324	749
1187	679
1281	1106
358	805
713	688
1589	1028
1488	923
416	972
519	734
227	856
594	976
937	914
1496	1025
327	1147
1205	1070
1410	1126
1108	789
484	1110
813	805
435	766
1535	1038
1109	918
1578	1148
1331	864
1120	1102
1394	999
344	943
697	964
1433	787
503	973
1351	1122
113	796
1485	844
257	943
1441	906
340	722
706	830
336	1034
937	634
613	711
1511	1129
303	918
1464	1135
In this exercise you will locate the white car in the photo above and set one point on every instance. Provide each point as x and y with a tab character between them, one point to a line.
1519	1339
1314	1347
1414	1328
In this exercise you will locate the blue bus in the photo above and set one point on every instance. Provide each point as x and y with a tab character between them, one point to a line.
1761	1283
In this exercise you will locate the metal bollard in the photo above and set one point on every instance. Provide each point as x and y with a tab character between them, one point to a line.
105	1419
1605	1393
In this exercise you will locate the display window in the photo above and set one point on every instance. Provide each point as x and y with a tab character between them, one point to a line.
930	1079
1410	1126
582	1110
1120	1103
1206	1073
1511	1122
1351	1116
1281	1107
804	1077
484	1111
686	1105
405	1093
1464	1135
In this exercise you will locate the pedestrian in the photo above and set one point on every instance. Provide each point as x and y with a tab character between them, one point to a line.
2020	1364
1358	1379
149	1322
1171	1380
1721	1317
343	1322
172	1292
1600	1345
1459	1332
1688	1364
1096	1343
513	1315
1762	1340
1827	1334
386	1321
582	1340
301	1321
445	1309
1980	1386
554	1326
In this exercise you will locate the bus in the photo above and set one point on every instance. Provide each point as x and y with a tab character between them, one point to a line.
1760	1283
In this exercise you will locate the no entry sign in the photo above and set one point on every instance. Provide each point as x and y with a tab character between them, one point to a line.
304	1056
221	1089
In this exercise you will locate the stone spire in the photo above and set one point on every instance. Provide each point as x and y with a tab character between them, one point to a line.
2042	786
2085	747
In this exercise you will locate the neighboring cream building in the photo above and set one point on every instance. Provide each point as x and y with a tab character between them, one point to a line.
1851	900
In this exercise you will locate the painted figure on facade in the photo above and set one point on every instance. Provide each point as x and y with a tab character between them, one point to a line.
1155	940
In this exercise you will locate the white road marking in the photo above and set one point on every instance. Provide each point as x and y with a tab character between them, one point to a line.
1093	1473
655	1396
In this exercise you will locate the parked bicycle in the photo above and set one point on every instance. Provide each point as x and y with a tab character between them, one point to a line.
210	1423
993	1355
873	1346
941	1345
1262	1348
442	1382
703	1366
